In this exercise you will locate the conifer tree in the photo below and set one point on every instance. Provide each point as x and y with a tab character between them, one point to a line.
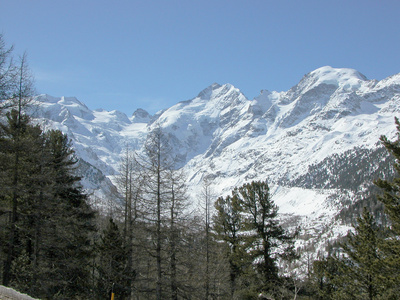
112	264
362	264
46	247
391	200
19	88
16	144
177	203
205	204
20	145
157	165
265	239
129	186
69	249
325	274
369	268
162	203
228	225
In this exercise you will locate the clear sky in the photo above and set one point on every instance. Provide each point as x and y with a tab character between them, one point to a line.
129	54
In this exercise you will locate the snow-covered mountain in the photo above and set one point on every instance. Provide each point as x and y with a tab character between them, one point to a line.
310	142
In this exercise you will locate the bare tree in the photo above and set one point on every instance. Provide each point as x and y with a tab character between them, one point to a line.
7	71
177	206
205	198
163	205
130	184
22	86
153	166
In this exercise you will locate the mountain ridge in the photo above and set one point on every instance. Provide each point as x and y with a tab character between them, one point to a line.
222	135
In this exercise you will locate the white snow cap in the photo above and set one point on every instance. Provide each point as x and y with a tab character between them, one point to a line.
341	77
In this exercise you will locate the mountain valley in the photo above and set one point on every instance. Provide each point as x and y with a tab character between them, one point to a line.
316	144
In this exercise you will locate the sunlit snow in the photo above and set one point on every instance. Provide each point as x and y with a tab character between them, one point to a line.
222	135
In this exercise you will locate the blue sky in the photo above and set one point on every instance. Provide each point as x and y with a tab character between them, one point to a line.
128	54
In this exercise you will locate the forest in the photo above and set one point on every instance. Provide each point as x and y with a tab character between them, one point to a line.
152	245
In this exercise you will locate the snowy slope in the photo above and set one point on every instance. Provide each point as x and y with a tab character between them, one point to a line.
221	134
98	137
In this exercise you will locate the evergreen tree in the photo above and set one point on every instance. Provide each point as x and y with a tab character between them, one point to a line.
362	263
228	226
19	87
265	239
113	274
68	249
17	151
326	271
391	200
357	272
46	250
370	264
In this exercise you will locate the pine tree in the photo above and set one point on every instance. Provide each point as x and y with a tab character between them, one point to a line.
68	248
266	241
391	200
326	271
17	150
370	264
362	263
46	243
20	90
113	275
356	273
228	226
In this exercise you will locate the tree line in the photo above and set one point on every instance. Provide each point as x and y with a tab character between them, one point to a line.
154	245
367	264
44	215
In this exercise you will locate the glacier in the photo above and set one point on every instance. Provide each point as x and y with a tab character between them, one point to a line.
228	139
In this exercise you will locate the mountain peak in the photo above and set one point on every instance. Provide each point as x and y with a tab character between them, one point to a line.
340	77
141	116
207	92
293	138
336	78
330	74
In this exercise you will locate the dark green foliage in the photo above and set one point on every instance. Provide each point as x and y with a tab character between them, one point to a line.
391	200
391	189
20	145
351	170
266	242
357	272
228	225
112	264
255	241
326	271
370	263
69	221
46	245
363	262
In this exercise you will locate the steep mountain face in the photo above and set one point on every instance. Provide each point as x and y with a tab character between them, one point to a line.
297	140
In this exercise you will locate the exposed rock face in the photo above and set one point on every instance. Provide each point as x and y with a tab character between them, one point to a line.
294	139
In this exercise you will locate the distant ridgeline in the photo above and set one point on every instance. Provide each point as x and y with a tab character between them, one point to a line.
321	136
